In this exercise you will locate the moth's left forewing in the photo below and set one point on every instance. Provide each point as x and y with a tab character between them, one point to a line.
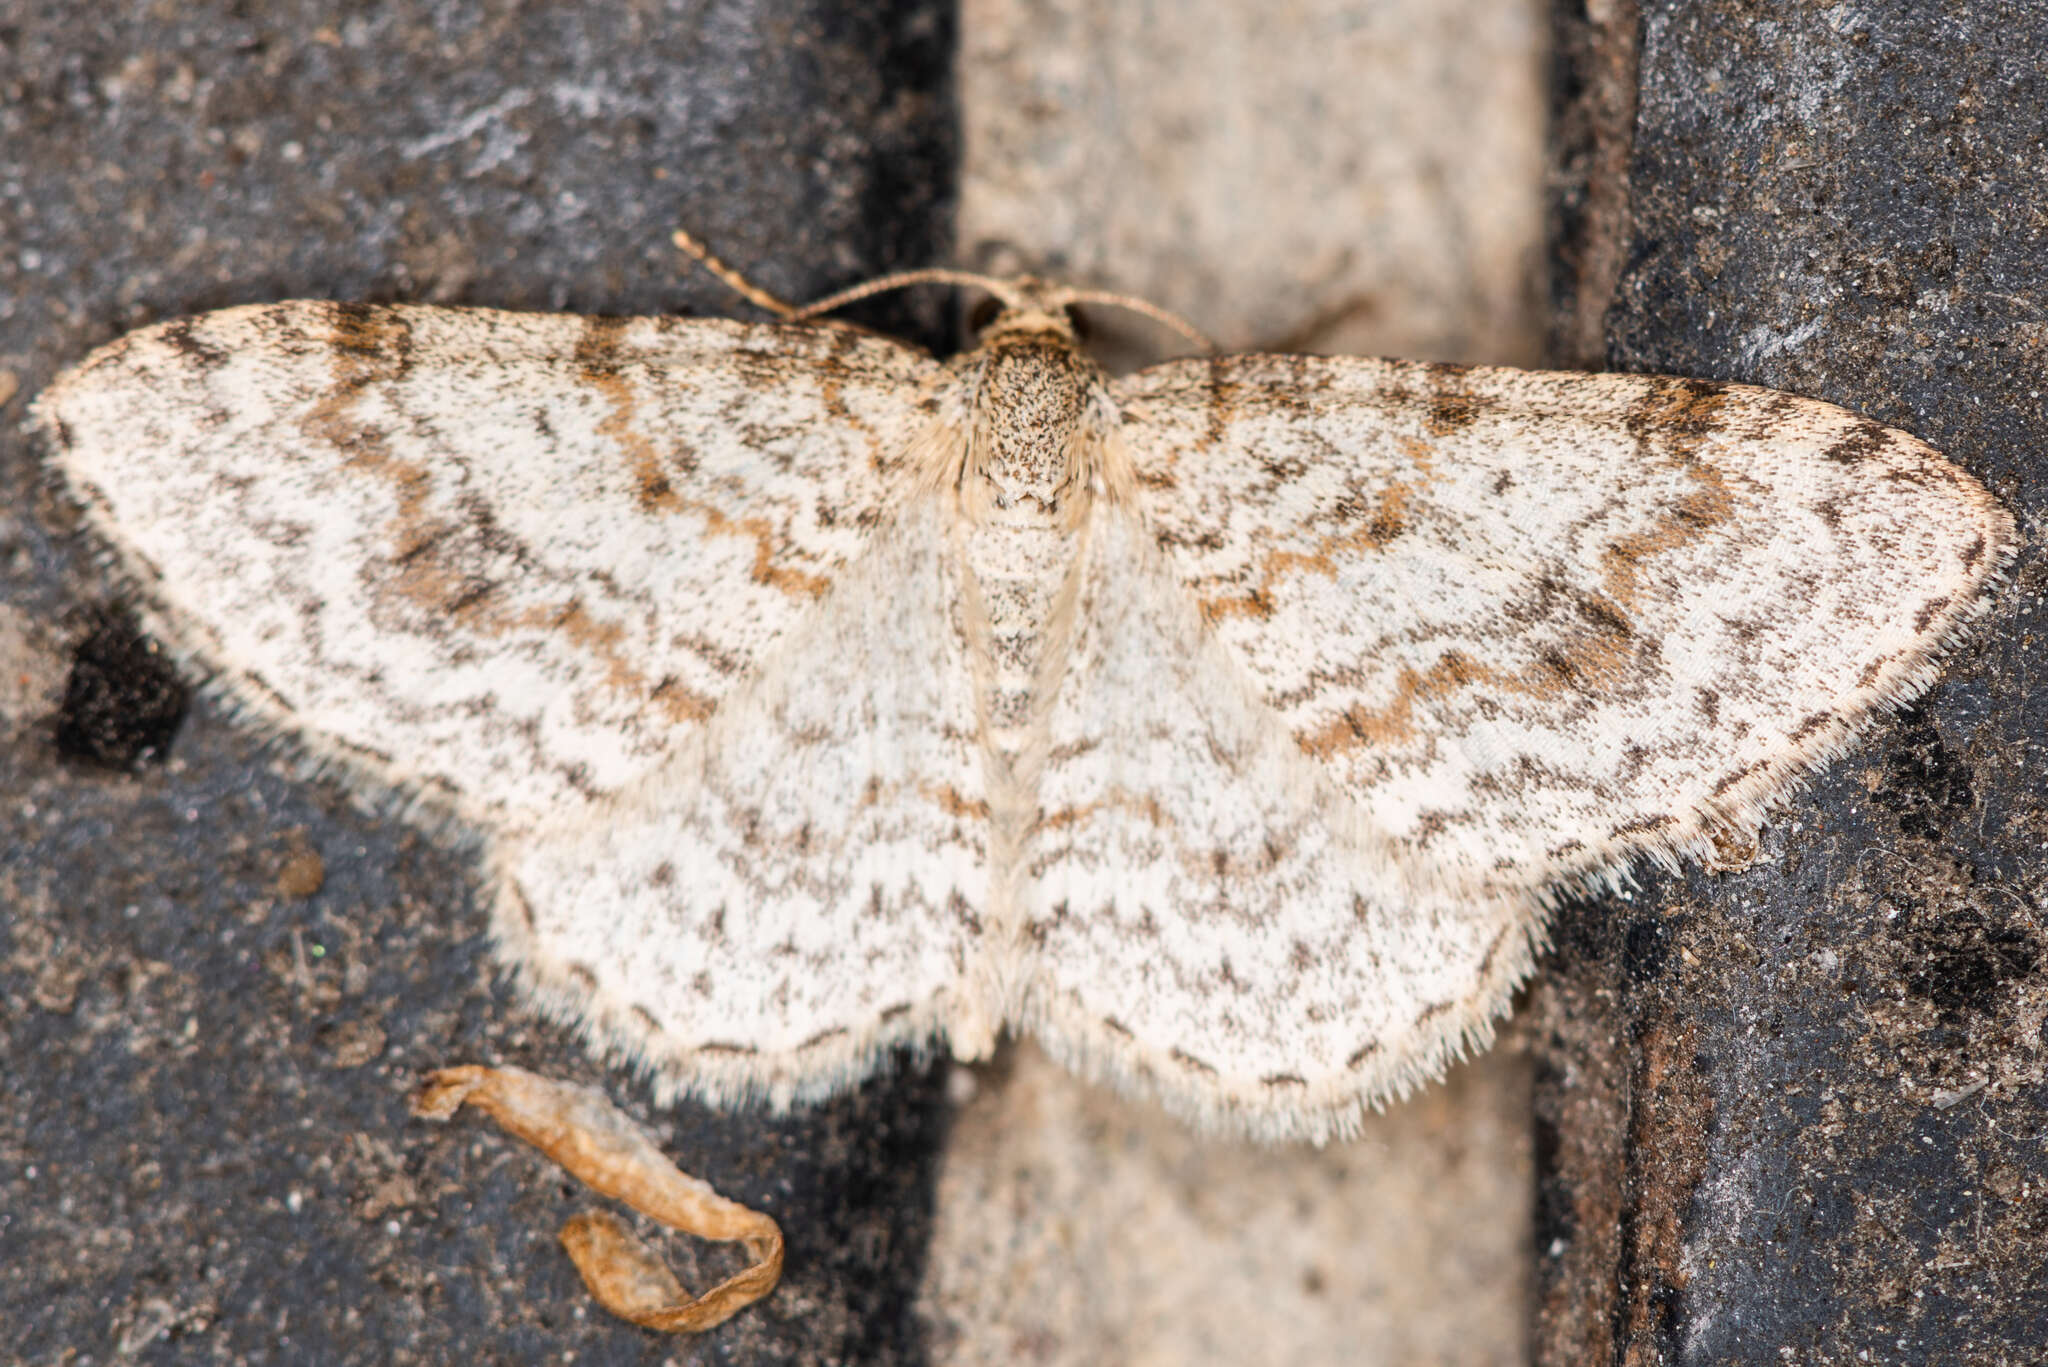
1537	624
661	606
510	559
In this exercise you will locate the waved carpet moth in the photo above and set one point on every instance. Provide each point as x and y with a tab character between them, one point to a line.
1230	725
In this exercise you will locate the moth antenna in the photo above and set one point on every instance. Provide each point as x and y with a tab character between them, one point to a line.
1145	308
935	275
732	279
791	313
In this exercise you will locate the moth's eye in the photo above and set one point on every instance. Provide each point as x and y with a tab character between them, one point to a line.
983	313
1083	329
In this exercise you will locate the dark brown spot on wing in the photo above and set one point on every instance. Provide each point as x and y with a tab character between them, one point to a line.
470	595
1929	610
1452	406
370	753
1811	724
262	686
1492	951
1685	410
1738	776
1671	422
951	801
202	355
1862	442
1365	529
1395	720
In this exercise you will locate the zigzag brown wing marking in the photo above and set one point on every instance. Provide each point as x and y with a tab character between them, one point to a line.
511	558
1537	624
1209	919
804	887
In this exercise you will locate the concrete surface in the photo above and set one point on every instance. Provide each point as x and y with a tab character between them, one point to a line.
1360	177
1074	1226
1364	178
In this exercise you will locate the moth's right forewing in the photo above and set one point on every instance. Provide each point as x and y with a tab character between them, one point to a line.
507	558
1537	625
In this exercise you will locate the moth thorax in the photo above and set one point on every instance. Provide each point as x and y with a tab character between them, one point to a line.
1032	417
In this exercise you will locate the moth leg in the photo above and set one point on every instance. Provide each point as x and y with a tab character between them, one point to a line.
581	1130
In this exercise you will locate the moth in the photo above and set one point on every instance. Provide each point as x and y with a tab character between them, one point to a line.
1230	726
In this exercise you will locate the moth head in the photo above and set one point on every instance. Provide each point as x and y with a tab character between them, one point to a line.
1023	306
1016	305
1026	304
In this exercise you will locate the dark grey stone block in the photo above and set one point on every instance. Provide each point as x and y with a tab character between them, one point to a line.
218	979
1794	1114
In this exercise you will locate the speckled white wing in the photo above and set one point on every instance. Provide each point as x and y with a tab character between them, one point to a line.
512	560
1210	918
805	885
1534	625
